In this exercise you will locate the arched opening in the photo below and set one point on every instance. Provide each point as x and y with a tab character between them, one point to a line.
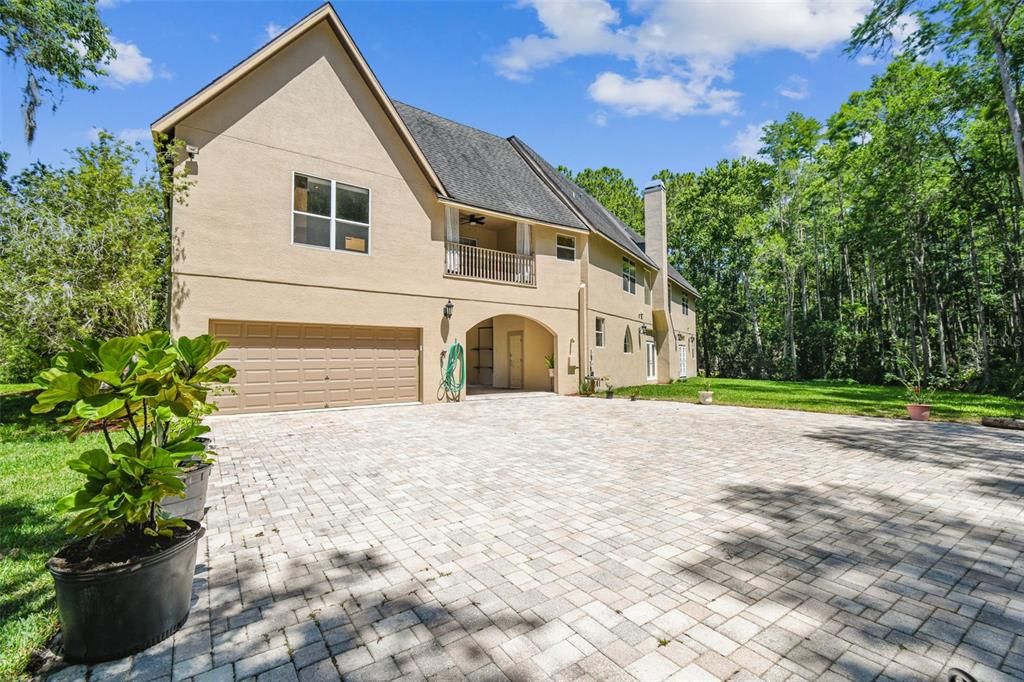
507	353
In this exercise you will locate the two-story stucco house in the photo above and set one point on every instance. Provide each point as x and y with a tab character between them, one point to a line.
328	227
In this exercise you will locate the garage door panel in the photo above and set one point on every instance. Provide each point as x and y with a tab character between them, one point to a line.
285	366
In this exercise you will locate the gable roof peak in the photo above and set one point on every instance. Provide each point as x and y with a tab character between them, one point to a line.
324	13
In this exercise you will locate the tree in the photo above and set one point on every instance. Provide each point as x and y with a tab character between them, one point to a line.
84	251
60	43
968	31
614	190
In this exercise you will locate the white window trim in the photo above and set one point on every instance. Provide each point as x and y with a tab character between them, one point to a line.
599	334
558	246
632	289
652	363
332	218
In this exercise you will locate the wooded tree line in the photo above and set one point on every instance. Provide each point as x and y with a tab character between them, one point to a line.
888	235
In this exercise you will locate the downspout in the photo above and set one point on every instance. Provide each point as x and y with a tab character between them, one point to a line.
583	367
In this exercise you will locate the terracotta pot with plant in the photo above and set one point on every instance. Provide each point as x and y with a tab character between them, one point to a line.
609	388
549	362
705	395
917	392
126	583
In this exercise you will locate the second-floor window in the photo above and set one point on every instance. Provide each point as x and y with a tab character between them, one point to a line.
330	214
628	276
565	247
599	332
686	305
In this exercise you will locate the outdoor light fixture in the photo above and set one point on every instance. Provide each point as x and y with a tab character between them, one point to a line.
449	308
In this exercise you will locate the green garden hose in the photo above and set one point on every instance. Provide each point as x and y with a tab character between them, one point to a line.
453	379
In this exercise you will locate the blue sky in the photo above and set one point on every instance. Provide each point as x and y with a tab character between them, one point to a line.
643	85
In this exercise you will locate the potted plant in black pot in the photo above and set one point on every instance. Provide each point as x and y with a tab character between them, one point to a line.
126	582
195	470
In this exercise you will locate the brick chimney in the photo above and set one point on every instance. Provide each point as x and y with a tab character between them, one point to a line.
656	241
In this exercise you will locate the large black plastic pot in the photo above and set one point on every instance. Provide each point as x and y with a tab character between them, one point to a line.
115	612
193	506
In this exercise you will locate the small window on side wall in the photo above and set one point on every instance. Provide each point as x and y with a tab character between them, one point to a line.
628	276
565	247
330	214
627	341
686	305
599	332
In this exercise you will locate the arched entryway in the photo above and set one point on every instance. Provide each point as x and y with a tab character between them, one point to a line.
508	353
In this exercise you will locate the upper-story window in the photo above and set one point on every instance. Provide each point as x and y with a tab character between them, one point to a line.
686	305
648	285
599	332
565	247
628	275
330	214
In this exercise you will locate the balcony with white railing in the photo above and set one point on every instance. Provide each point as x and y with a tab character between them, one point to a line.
489	265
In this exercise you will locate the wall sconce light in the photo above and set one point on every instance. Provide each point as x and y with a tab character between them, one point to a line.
449	308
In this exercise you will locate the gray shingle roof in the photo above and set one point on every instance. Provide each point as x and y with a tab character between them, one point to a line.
506	175
596	214
484	170
674	275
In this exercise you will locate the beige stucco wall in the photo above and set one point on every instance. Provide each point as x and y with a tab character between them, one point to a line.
683	327
308	110
607	299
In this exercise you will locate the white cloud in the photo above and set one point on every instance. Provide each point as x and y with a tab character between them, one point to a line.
106	4
795	87
748	140
214	38
273	30
599	118
664	96
681	51
130	65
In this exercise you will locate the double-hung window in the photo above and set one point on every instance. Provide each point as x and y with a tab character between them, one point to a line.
628	275
599	332
330	214
565	247
686	305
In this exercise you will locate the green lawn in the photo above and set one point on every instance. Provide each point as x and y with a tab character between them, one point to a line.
33	475
833	396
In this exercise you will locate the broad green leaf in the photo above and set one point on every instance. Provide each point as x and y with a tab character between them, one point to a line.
99	406
62	389
116	353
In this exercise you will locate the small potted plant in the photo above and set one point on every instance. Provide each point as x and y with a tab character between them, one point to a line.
917	394
705	395
549	362
634	394
126	582
609	388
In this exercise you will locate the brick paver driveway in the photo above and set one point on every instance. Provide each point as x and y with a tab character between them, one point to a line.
595	539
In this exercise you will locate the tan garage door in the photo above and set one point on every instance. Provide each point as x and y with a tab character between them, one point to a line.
285	366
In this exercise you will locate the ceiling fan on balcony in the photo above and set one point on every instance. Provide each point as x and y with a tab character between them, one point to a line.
472	219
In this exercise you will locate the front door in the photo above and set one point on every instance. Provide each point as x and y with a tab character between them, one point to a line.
515	359
682	359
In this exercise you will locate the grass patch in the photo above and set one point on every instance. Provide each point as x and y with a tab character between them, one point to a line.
12	389
835	397
33	476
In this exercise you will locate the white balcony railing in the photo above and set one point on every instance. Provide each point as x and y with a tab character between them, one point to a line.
473	262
